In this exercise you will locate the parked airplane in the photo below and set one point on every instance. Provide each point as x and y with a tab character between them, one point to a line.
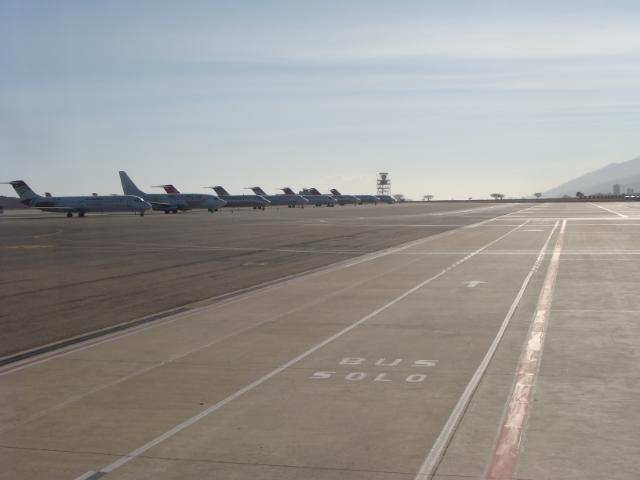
79	205
386	198
344	199
368	199
172	202
255	201
317	199
290	200
194	199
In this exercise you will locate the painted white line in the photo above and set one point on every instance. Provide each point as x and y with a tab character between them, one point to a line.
506	455
455	212
428	467
609	210
190	421
217	340
237	296
234	297
89	476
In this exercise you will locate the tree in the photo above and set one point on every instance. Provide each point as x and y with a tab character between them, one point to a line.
537	194
497	196
427	198
399	197
579	195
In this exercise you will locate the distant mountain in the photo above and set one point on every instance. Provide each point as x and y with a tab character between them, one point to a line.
626	174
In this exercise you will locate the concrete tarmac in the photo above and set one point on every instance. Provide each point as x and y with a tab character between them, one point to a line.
64	277
503	348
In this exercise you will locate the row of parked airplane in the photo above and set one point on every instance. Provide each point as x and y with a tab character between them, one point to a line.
172	201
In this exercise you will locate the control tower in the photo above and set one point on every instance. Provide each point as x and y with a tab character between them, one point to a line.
383	184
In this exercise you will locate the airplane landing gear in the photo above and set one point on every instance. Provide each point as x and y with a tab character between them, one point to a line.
69	214
81	214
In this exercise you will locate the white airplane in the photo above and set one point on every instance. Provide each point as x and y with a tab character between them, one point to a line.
344	199
174	201
290	200
316	198
255	201
386	198
79	205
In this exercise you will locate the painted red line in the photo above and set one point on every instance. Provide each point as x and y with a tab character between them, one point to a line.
506	455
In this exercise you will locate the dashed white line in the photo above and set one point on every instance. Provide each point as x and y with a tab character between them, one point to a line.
609	210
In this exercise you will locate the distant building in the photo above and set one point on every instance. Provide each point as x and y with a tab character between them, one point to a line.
629	191
616	189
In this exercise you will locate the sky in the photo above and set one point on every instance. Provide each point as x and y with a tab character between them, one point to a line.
455	99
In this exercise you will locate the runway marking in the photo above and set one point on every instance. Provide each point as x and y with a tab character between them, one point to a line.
225	299
509	445
473	283
433	458
180	356
242	294
407	376
206	412
455	212
609	210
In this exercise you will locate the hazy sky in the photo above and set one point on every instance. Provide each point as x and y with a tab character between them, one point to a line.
454	98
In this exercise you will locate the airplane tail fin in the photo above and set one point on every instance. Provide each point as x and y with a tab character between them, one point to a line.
128	187
288	191
24	192
220	191
258	191
335	191
170	189
315	191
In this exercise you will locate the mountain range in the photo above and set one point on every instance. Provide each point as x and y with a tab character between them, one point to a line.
626	174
